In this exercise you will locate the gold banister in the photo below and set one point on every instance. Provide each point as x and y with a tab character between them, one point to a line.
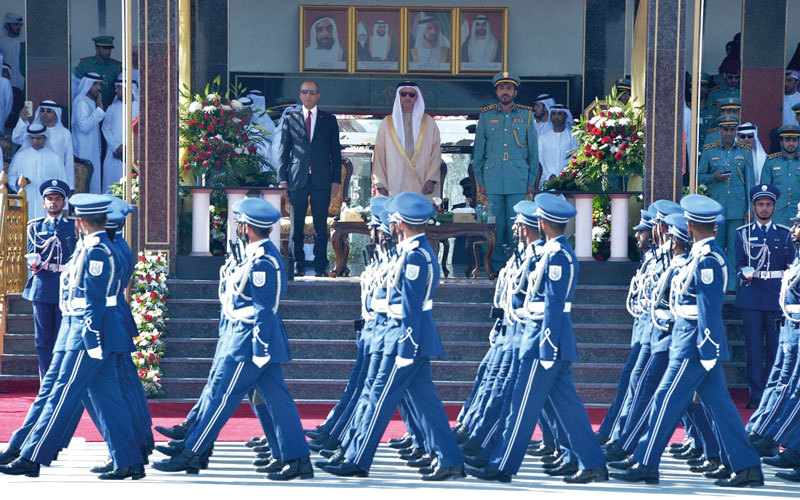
13	245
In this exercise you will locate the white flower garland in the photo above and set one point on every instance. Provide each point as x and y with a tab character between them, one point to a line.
148	305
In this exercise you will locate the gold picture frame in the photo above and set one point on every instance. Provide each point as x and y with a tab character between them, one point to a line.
331	25
490	54
370	53
440	58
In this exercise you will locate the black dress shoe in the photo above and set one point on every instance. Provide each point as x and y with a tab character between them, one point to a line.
423	461
256	441
264	454
262	448
415	454
445	473
403	442
346	469
478	461
106	467
170	450
601	438
616	454
623	464
274	465
261	462
404	438
21	467
638	473
8	456
690	453
461	433
311	434
566	469
329	443
596	475
299	270
470	448
793	476
765	447
696	461
175	432
683	444
542	450
548	459
186	461
707	466
751	476
723	472
488	473
681	449
320	274
335	459
556	464
134	472
787	459
329	453
298	468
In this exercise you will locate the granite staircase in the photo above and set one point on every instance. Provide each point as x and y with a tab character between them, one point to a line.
319	313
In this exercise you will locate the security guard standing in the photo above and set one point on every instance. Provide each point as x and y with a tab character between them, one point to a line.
102	64
51	241
782	170
763	251
725	106
731	68
726	167
505	156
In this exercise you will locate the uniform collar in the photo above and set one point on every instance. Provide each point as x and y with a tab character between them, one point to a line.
758	225
96	233
54	219
251	248
407	243
698	245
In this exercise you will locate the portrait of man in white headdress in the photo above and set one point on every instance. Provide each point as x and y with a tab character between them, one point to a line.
378	47
430	47
480	48
325	50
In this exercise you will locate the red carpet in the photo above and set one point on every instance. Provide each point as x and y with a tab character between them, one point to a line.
241	427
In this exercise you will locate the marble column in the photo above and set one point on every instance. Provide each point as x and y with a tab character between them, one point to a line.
664	99
763	39
209	42
47	41
158	126
603	48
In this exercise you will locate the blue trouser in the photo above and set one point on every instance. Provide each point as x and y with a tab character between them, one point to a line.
265	420
46	322
630	394
761	346
391	384
492	419
502	207
349	433
612	416
35	410
533	387
478	406
480	381
787	415
776	390
683	378
348	415
703	433
353	385
235	380
216	363
78	375
135	400
552	430
421	436
636	422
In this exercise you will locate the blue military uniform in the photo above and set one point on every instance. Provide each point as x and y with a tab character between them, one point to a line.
505	159
51	242
783	172
763	252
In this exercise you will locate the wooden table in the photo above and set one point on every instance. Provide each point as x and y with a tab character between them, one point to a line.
435	235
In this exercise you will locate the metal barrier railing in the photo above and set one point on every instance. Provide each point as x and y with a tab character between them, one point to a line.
13	244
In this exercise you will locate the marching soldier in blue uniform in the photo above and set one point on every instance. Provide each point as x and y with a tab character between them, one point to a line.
253	354
763	251
546	351
51	241
89	363
782	170
698	346
505	156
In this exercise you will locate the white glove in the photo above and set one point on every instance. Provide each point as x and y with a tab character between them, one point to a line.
260	361
546	364
402	362
492	337
708	364
95	353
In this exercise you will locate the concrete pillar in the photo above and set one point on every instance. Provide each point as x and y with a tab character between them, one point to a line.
47	41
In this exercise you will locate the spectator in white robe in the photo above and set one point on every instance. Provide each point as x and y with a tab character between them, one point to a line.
87	113
36	162
114	133
541	112
747	133
12	36
59	138
791	96
555	145
262	119
6	99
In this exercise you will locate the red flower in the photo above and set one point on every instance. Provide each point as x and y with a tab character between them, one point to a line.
148	278
223	122
583	163
252	148
221	112
148	317
245	137
216	164
599	155
205	163
163	298
606	139
233	155
187	167
623	146
191	123
633	127
218	149
618	155
599	257
619	114
574	173
634	138
215	121
224	158
139	355
205	115
142	259
135	175
612	134
217	102
153	295
573	157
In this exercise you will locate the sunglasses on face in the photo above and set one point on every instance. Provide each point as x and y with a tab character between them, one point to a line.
308	91
746	136
408	94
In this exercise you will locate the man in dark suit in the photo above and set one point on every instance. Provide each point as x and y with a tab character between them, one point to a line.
310	165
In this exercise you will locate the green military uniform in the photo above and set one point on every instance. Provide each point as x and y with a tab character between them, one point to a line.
723	106
796	109
708	120
723	92
784	173
109	70
505	159
733	193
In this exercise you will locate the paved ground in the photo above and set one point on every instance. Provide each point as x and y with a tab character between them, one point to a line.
230	466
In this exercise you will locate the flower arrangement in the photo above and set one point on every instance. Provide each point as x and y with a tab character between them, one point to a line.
567	180
148	305
118	188
601	228
610	145
220	141
218	223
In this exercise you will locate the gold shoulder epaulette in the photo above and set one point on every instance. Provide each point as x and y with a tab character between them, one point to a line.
490	107
712	129
712	145
86	58
774	155
718	87
523	106
743	145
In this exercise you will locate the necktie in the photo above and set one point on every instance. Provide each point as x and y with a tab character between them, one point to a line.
308	125
764	228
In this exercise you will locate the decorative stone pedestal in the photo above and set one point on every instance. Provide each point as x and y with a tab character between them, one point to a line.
201	201
583	226
619	227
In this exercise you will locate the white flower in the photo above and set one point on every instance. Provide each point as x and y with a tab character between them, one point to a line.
238	150
211	208
212	97
210	109
597	233
595	119
226	107
610	123
615	109
236	104
195	106
236	120
625	121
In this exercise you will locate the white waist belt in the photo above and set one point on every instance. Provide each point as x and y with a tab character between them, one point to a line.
687	309
397	309
793	308
765	275
538	307
80	302
662	314
56	268
379	305
247	312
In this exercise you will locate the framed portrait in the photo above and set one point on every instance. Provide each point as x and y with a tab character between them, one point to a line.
431	40
324	38
483	44
378	38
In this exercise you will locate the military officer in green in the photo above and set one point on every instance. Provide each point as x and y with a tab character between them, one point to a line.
731	68
623	90
782	170
731	106
796	109
727	169
102	64
505	156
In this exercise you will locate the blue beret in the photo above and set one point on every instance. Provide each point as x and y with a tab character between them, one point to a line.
699	208
54	186
90	204
662	208
554	208
257	212
412	208
677	226
527	213
765	191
